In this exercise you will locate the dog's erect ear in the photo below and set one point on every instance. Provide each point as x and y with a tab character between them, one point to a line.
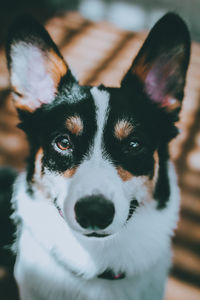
35	64
162	62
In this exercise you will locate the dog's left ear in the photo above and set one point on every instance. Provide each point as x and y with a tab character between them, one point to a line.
162	62
35	64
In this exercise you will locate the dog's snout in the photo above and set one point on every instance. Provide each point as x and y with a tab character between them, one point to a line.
94	212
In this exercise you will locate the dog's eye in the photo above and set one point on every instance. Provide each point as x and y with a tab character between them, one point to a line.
134	146
63	143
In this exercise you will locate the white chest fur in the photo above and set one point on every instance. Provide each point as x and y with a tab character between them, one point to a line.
49	253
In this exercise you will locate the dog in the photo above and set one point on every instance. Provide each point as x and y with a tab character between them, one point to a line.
97	206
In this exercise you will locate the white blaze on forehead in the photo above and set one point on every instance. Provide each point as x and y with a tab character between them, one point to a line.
101	100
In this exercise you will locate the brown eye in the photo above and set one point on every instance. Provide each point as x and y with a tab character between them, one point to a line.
63	143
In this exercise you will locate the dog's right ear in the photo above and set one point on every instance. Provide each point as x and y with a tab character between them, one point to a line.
35	64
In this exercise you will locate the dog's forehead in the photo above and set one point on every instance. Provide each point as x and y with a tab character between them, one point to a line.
112	104
78	104
116	110
121	103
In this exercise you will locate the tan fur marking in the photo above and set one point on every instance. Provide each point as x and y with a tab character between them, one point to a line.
38	163
156	168
151	183
22	106
15	91
55	66
123	129
75	125
18	99
125	175
69	173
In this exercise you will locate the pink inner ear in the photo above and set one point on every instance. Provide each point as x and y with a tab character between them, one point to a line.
30	77
158	78
39	85
154	87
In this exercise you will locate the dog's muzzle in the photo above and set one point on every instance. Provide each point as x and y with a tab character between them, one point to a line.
95	213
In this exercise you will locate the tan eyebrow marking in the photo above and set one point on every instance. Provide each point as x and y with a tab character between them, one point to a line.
125	175
123	129
75	125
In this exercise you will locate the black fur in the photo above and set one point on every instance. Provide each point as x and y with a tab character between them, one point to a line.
48	122
7	228
163	60
166	52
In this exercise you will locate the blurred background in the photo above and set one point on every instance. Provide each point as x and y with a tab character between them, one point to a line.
99	39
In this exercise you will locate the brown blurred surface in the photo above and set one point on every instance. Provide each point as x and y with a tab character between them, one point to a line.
99	53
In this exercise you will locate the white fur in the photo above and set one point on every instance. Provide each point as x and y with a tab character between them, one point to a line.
101	100
30	76
55	260
49	250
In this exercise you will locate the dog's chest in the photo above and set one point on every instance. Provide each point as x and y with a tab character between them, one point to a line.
43	278
47	249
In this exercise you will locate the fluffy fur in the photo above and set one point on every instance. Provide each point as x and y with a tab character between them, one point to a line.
57	257
54	261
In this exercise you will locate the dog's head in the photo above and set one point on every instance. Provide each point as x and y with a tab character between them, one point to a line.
99	154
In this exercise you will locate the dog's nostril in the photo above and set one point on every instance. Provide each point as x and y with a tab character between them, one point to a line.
83	221
94	212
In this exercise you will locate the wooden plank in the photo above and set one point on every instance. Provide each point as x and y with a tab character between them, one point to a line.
177	290
190	202
189	231
186	262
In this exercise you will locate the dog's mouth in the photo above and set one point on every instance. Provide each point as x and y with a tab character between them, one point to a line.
133	205
97	235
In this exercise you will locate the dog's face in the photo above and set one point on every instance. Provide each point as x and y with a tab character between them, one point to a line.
99	154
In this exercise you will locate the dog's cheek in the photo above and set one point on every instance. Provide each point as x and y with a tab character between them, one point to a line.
140	188
124	175
70	172
48	184
38	165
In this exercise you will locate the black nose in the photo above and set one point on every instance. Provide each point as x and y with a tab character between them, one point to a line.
94	212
